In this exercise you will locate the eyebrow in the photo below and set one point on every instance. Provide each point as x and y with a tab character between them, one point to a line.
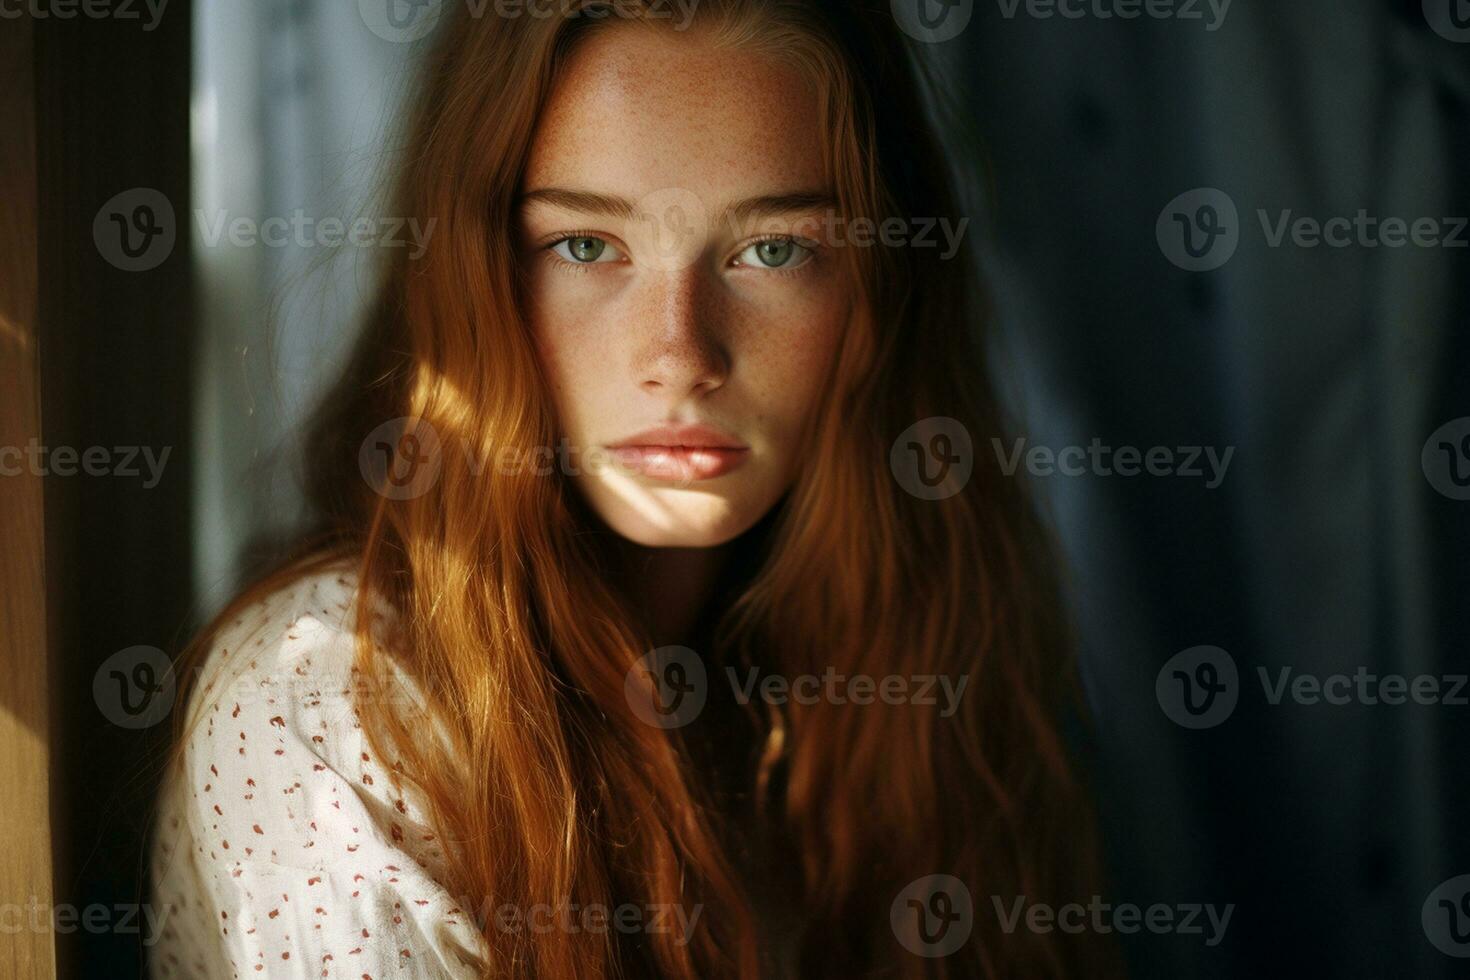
610	205
586	202
776	204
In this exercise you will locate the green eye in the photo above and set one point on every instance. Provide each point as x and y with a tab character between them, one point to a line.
585	250
775	253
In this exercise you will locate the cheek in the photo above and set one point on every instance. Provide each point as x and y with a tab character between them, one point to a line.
572	347
787	346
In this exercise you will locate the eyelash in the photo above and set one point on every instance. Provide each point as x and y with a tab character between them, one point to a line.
548	245
813	247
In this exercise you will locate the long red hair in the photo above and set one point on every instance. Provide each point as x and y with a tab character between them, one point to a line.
550	787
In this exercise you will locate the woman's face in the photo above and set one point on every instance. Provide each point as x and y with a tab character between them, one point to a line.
673	206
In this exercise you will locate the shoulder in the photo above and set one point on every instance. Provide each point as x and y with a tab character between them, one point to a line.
288	667
277	696
306	625
279	801
273	734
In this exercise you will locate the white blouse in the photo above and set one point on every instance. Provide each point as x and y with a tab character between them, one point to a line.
282	847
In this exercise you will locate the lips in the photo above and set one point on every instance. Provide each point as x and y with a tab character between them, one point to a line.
681	453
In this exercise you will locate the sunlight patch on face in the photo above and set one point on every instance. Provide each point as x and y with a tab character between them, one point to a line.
663	516
639	499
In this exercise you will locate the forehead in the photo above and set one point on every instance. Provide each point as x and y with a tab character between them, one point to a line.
641	109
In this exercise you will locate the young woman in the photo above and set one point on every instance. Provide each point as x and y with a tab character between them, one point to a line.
668	634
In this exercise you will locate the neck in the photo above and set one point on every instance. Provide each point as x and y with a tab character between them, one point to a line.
670	587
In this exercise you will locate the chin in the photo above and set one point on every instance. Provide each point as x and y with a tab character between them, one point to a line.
677	519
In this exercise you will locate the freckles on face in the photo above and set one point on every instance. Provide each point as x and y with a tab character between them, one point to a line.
676	277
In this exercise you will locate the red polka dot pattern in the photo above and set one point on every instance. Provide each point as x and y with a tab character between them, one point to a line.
284	847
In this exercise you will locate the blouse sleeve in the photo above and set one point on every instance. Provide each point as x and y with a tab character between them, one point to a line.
283	846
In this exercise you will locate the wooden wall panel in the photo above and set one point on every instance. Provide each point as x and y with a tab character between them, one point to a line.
25	815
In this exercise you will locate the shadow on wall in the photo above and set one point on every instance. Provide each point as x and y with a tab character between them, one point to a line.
1236	232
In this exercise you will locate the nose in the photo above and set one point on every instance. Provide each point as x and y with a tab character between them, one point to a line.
679	350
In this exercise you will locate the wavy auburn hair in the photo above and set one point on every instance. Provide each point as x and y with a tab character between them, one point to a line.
549	788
